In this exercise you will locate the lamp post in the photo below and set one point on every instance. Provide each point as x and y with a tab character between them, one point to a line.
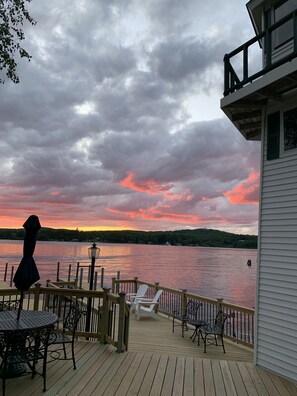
93	252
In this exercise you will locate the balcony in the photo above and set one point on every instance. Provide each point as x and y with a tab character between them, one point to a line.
247	89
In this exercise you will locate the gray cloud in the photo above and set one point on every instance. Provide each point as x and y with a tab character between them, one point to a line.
98	132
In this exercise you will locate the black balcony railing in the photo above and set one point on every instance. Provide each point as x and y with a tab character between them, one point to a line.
232	80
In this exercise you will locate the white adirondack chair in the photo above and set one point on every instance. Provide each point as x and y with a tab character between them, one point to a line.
147	306
134	297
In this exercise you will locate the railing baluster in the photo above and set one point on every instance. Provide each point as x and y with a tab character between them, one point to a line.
5	272
102	277
227	73
11	275
267	47
245	63
295	31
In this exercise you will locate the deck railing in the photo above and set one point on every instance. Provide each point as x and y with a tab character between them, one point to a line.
232	80
240	328
109	314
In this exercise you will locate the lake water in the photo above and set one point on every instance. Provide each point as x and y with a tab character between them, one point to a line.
209	272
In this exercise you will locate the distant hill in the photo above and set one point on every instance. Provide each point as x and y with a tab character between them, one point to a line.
198	237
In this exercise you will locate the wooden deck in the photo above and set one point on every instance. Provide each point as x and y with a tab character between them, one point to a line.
156	336
159	362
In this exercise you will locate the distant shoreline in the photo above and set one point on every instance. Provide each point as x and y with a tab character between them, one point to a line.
200	237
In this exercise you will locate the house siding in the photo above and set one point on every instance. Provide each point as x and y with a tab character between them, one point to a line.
276	348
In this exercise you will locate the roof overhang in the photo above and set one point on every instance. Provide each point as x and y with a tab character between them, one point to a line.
255	10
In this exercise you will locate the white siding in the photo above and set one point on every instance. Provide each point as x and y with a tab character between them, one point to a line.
276	347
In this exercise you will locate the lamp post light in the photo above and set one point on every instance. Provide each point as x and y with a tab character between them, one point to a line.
93	252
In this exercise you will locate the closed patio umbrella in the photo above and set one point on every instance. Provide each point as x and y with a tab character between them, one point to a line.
27	272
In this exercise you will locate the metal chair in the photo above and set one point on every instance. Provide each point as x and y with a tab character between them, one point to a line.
9	305
215	330
189	317
24	347
66	335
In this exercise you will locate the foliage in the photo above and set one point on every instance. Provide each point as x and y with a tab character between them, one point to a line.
13	14
199	237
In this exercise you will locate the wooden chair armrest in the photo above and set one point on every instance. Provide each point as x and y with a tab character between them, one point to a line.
145	299
147	303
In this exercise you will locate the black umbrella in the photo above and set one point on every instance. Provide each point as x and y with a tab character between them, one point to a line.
27	273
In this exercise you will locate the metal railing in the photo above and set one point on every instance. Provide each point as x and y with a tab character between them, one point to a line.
240	328
232	81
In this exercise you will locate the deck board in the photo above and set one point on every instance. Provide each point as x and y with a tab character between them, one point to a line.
248	382
178	383
159	362
150	375
209	386
159	377
218	378
169	376
227	379
199	380
237	379
188	377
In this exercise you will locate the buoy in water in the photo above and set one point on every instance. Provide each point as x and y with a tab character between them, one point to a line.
249	263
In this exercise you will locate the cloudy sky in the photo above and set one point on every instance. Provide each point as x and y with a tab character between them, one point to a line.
116	123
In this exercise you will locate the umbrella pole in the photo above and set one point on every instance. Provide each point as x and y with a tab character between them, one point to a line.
21	304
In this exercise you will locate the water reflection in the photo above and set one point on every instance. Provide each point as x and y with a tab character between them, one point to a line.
210	272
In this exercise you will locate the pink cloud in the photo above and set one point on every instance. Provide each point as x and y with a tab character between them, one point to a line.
152	187
147	186
153	213
246	192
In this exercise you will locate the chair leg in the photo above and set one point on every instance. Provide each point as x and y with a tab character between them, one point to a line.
223	344
195	334
64	349
204	339
4	373
44	374
184	326
73	357
3	380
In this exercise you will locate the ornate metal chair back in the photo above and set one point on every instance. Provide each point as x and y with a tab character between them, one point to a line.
71	321
192	309
9	305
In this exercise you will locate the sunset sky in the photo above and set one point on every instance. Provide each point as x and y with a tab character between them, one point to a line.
116	123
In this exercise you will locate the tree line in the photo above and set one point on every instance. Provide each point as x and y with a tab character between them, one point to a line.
198	237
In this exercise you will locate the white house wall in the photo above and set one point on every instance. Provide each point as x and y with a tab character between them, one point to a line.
276	332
